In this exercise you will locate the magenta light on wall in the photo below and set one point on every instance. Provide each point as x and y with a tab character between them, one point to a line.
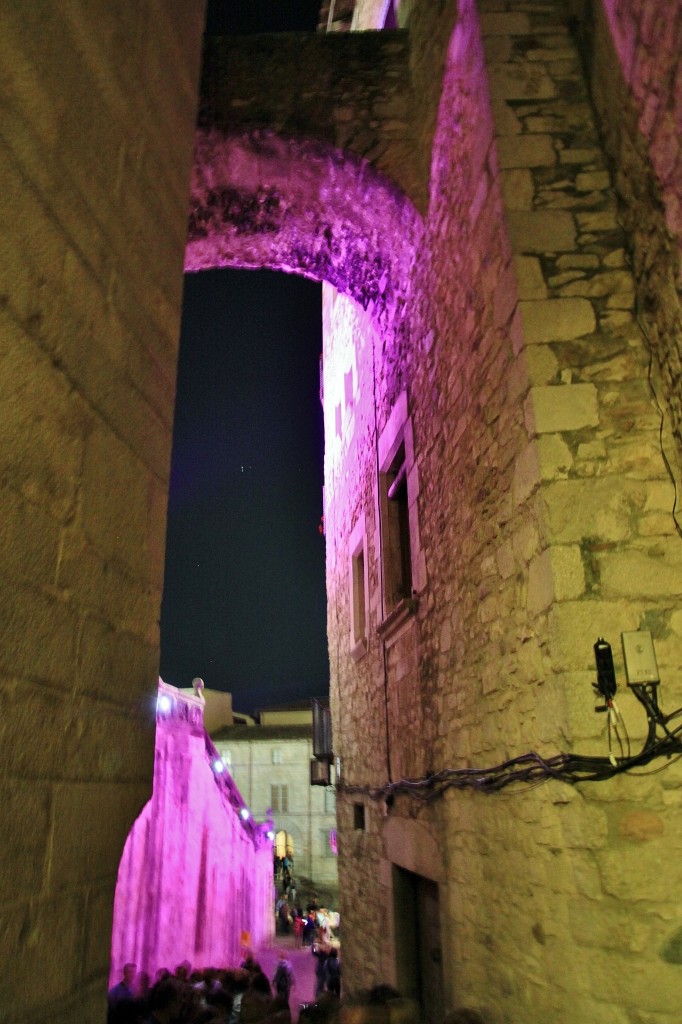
193	846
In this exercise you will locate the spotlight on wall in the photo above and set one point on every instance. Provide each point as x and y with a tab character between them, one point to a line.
164	704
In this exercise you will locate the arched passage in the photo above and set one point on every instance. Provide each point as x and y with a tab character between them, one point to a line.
263	200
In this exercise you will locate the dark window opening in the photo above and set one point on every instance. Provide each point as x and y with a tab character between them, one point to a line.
398	555
279	798
359	817
359	598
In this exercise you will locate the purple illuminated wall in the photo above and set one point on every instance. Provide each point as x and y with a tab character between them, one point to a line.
196	872
648	41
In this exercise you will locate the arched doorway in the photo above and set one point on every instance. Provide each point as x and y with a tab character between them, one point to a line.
284	845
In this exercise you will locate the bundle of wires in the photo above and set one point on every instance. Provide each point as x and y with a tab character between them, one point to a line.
531	768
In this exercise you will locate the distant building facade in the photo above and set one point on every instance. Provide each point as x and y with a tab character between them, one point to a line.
190	849
270	764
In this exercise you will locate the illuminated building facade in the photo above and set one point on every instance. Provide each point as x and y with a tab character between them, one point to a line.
195	879
270	764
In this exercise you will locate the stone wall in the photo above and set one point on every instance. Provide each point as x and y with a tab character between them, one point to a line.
195	879
495	336
350	91
543	507
634	52
97	119
502	329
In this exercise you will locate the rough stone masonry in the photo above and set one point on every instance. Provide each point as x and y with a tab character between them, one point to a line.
492	194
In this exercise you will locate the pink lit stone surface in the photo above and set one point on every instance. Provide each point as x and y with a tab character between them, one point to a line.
194	876
648	40
323	214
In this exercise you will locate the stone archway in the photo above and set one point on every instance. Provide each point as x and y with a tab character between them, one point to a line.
262	200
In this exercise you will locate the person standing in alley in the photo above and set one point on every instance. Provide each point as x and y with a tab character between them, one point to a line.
283	980
331	973
321	952
123	992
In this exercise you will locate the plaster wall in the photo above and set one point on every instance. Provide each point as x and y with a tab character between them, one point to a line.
98	108
257	764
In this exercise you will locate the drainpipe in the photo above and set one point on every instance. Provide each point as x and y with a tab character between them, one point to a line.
251	775
310	792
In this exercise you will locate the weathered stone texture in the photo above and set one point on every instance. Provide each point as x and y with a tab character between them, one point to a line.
500	313
537	538
95	166
635	52
351	92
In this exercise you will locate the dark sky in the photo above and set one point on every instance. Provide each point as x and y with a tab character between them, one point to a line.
235	17
244	602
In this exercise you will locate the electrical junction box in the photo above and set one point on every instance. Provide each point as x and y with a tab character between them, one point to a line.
640	657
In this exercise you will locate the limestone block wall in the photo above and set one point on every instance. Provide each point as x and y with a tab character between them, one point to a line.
544	519
195	879
634	53
350	91
351	347
98	109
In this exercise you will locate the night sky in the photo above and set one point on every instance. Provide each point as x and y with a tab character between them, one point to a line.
244	602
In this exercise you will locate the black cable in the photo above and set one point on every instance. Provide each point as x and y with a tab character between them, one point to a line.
646	694
529	768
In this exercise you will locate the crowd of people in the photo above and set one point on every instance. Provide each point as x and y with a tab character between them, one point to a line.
244	995
315	924
247	995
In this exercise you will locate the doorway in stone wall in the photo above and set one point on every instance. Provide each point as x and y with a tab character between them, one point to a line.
284	845
418	948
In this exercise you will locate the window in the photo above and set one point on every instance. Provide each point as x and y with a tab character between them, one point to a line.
402	561
359	626
359	817
279	798
359	596
329	801
396	523
348	388
276	755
